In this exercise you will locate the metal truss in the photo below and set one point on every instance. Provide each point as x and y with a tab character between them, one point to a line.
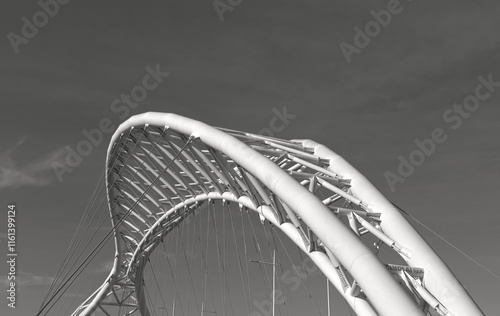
163	167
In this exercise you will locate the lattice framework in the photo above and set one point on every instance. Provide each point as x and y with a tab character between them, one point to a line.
159	174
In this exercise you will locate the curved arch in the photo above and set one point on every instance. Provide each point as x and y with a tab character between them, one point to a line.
160	167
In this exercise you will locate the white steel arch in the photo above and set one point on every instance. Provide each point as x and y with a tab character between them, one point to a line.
161	167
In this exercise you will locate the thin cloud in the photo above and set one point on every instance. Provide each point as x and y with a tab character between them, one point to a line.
36	173
28	279
2	236
104	266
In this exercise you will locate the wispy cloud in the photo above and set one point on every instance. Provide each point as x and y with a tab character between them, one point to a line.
35	173
104	266
28	279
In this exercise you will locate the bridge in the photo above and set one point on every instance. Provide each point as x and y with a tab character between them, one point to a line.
164	170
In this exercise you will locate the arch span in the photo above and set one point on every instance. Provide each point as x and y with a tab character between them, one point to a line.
161	167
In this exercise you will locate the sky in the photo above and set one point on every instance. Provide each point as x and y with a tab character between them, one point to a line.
368	91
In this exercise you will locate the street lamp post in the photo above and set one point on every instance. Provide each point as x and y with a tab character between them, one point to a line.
274	276
164	308
203	311
328	295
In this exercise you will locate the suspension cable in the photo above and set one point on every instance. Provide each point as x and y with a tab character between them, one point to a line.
446	241
301	281
239	258
110	232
